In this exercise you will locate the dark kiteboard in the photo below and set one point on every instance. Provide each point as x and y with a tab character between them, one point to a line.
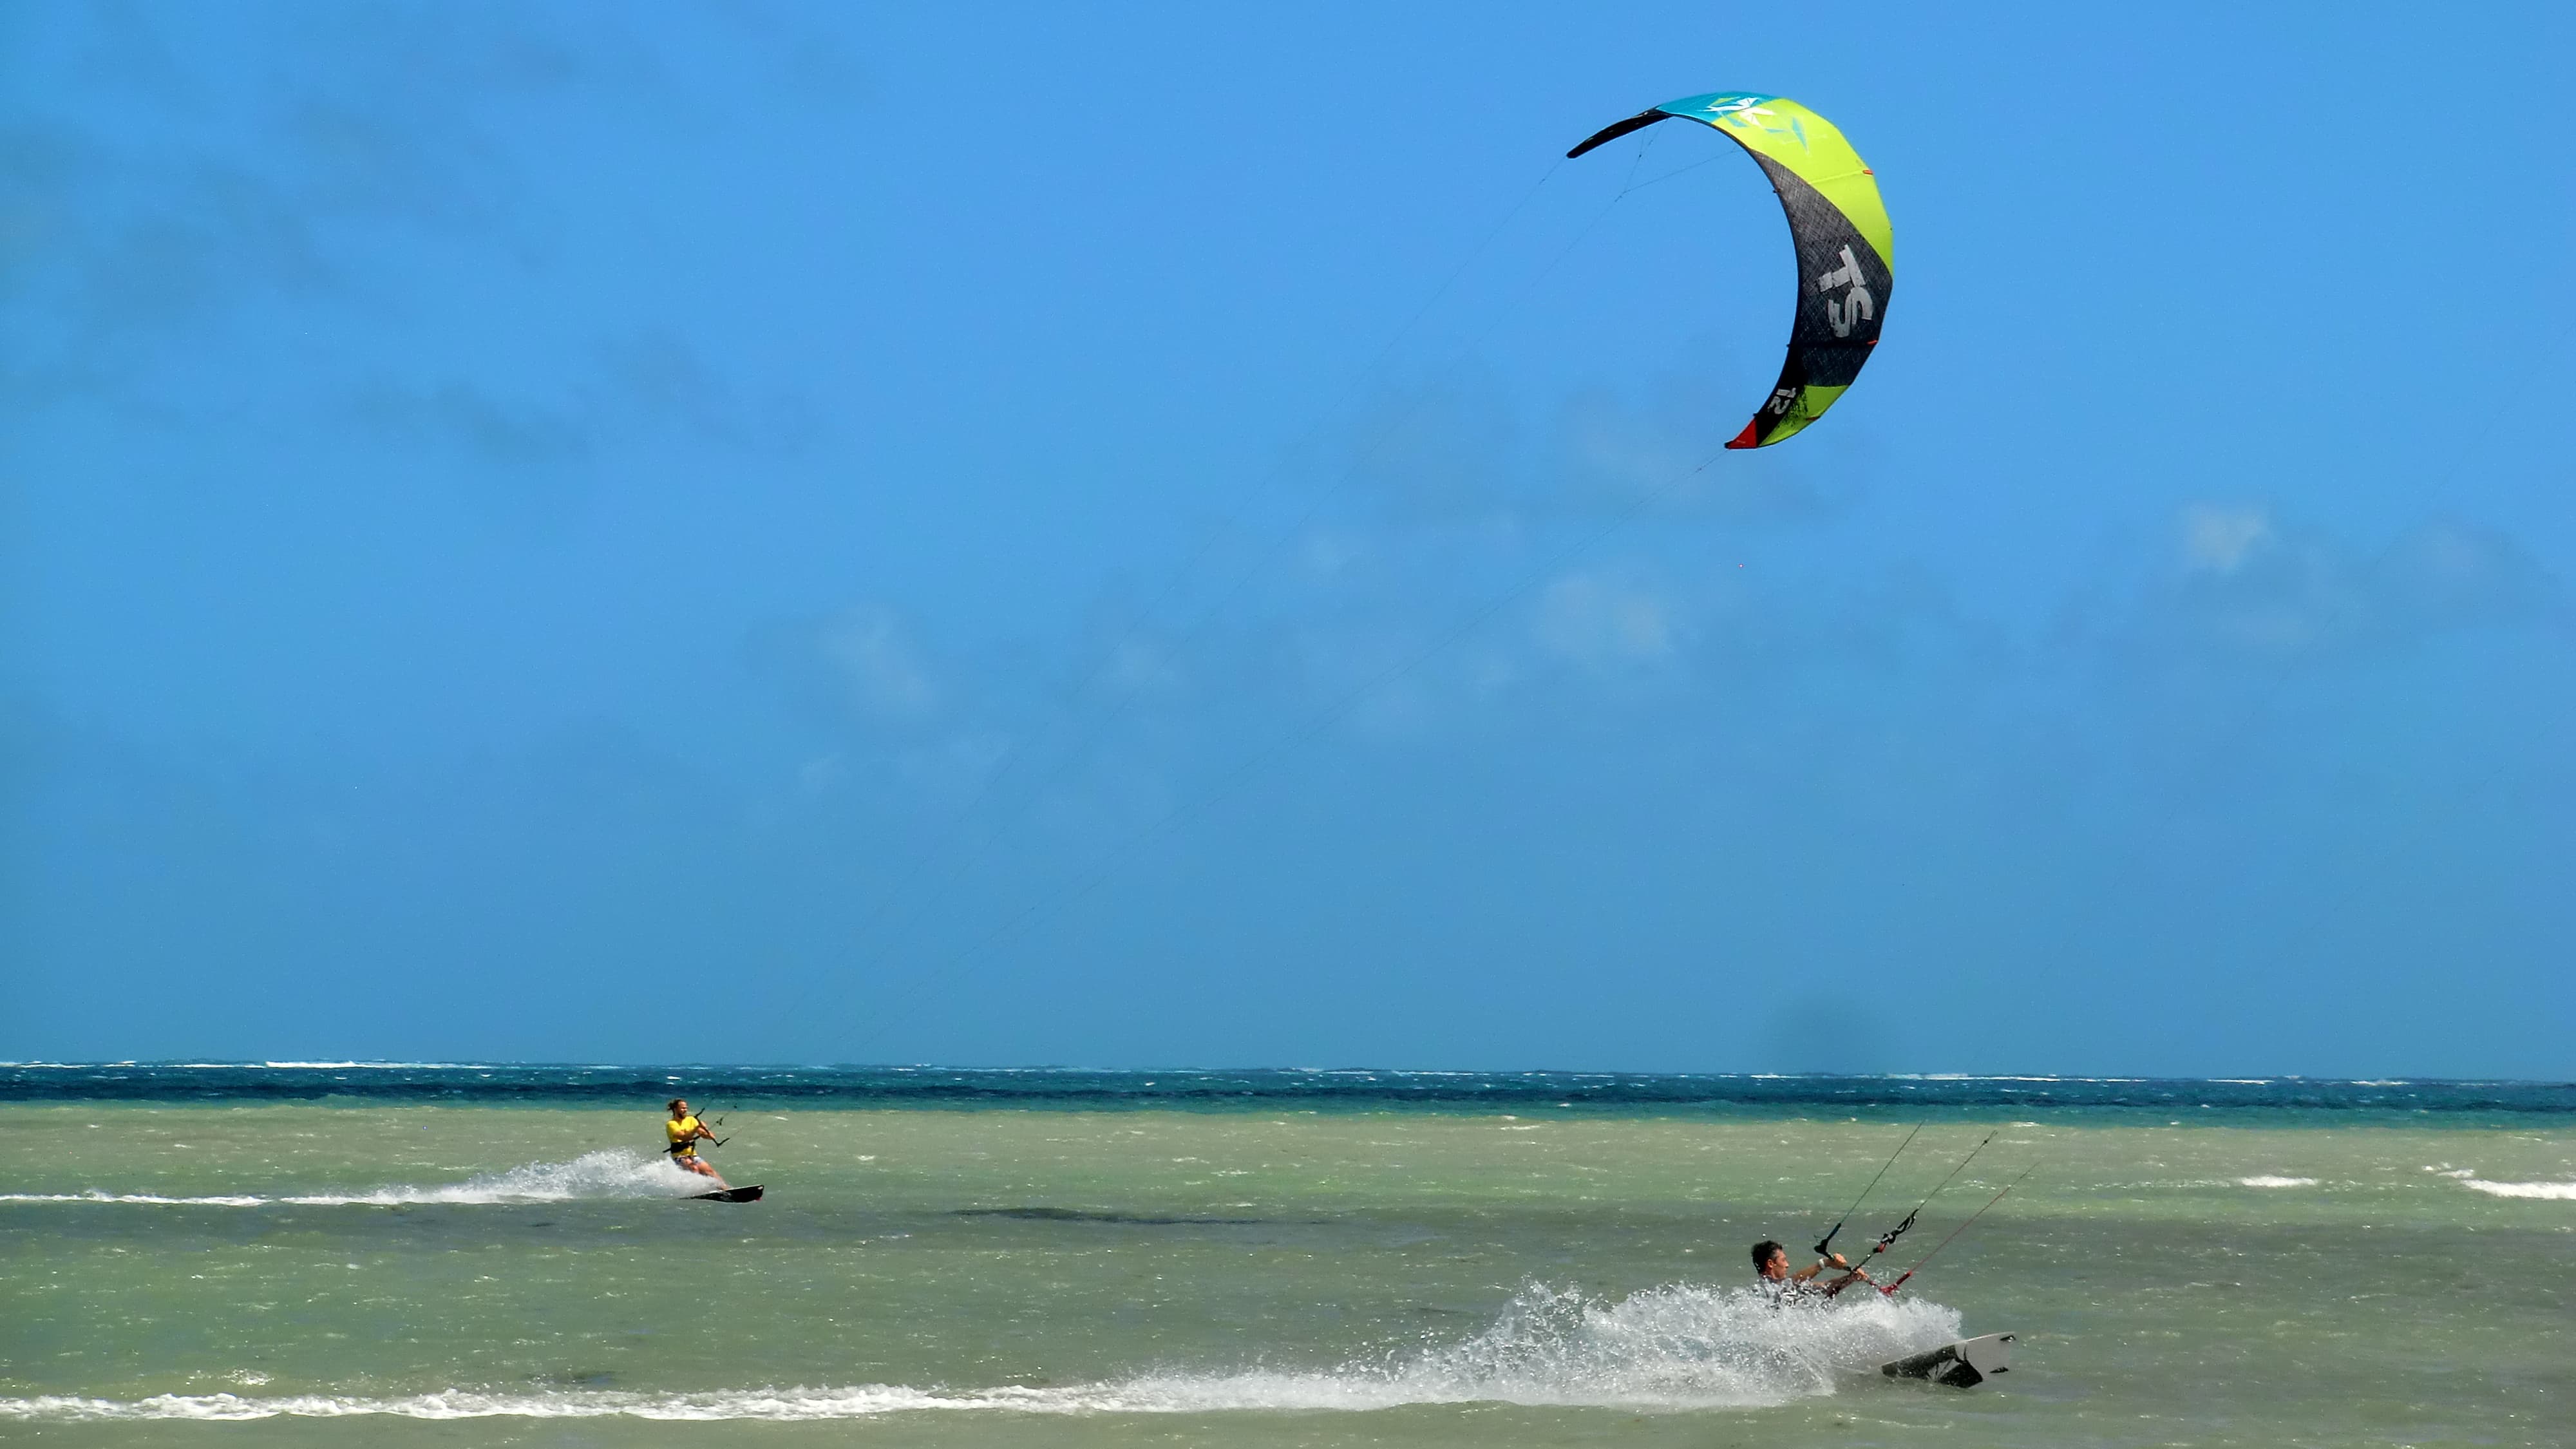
730	1194
1961	1365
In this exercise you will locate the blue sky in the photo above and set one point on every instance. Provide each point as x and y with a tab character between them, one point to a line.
1026	535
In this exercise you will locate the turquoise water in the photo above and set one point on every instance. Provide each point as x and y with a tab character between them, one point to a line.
338	1256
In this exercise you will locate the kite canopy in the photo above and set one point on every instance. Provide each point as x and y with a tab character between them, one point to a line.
1839	225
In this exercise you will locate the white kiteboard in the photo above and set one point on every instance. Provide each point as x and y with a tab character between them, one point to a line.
1961	1365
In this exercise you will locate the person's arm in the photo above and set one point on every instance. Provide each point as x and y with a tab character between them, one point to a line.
1851	1274
1831	1259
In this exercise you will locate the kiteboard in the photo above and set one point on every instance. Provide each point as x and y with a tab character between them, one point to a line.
1961	1365
730	1194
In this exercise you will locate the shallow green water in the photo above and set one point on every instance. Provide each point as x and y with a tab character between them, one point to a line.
1053	1277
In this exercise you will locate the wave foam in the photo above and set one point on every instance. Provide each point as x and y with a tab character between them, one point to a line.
2468	1177
1669	1348
2268	1180
605	1174
2563	1191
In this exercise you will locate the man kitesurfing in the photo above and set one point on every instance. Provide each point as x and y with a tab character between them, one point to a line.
685	1132
1783	1287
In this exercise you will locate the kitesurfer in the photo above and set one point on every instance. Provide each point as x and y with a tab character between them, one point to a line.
685	1131
1780	1285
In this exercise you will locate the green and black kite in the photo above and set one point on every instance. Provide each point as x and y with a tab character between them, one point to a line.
1840	227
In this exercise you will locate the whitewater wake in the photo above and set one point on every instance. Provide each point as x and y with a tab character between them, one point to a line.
1672	1348
605	1174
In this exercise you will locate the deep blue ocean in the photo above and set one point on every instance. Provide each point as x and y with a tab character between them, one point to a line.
2273	1101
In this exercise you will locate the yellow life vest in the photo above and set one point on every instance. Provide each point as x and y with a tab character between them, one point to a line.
683	1132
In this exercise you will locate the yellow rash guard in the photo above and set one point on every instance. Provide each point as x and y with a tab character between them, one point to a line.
683	1132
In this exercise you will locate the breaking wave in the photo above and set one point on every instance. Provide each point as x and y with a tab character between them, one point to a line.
2270	1180
1672	1348
2563	1191
605	1174
2468	1177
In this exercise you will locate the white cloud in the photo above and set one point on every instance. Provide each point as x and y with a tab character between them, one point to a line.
882	673
1138	668
2244	582
1329	552
1624	451
1600	622
956	768
2448	572
1667	449
823	774
2219	539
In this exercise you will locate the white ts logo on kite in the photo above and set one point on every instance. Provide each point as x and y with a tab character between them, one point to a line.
1740	108
1856	306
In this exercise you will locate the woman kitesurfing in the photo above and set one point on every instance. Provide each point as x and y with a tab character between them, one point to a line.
684	1132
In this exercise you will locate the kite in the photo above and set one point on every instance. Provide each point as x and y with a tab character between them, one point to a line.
1839	225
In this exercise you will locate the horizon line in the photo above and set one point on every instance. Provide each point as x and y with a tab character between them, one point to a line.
177	1063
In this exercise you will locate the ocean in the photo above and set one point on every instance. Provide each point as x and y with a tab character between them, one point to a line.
336	1253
